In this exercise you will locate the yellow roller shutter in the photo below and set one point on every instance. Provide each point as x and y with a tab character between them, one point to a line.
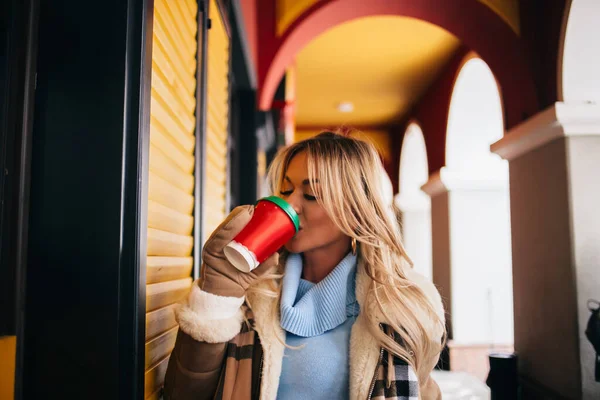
171	180
216	122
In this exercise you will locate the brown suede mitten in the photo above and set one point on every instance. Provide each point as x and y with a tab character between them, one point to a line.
218	276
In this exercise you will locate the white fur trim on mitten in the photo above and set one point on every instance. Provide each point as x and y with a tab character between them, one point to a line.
211	318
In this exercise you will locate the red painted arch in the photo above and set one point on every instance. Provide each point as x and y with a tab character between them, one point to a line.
478	27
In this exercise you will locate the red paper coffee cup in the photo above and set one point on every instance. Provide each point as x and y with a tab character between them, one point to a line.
273	224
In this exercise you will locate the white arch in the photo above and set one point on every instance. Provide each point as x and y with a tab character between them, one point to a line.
579	66
387	187
414	170
475	122
478	207
414	204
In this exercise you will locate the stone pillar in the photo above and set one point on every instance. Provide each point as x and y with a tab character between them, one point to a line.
440	242
554	160
471	265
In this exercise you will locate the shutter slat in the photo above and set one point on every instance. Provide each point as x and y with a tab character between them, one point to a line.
155	395
213	175
159	321
155	377
192	6
174	103
165	144
173	52
161	269
180	41
212	223
169	53
159	347
161	62
216	128
216	144
161	243
217	125
214	122
217	79
173	125
166	219
217	189
182	38
217	192
164	193
218	100
216	160
162	294
185	26
164	167
215	203
166	74
218	72
182	10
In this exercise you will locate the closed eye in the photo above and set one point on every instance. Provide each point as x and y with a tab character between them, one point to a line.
306	196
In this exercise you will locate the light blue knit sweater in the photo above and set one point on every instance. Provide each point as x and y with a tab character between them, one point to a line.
318	317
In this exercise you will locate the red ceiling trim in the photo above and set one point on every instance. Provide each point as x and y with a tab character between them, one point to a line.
472	22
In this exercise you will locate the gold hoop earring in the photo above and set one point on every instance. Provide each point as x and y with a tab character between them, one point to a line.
353	246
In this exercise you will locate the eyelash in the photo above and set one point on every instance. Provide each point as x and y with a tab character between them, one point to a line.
306	196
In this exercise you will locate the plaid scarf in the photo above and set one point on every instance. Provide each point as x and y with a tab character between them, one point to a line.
394	378
241	375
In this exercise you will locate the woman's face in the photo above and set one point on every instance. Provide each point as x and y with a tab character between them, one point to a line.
317	230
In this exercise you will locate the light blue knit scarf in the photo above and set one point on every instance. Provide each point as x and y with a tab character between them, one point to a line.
309	309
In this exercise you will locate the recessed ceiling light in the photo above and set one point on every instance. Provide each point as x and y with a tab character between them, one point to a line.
345	107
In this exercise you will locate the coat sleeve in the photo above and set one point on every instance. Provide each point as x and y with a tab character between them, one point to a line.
194	369
206	323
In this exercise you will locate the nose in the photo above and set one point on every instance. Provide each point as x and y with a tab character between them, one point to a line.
295	200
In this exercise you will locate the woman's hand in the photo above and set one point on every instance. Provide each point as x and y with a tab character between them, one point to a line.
218	276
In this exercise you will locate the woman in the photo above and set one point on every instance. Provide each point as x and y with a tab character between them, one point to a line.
340	315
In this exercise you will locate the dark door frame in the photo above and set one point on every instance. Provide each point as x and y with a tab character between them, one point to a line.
200	147
17	86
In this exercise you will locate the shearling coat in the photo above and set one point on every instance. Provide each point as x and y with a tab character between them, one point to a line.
240	357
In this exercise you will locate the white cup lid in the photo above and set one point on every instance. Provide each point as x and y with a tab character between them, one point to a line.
240	256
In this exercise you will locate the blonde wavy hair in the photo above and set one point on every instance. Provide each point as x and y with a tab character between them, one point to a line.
350	190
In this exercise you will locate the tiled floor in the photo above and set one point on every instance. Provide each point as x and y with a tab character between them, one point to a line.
460	386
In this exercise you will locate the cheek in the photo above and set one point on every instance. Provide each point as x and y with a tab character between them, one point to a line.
317	228
317	232
317	219
319	225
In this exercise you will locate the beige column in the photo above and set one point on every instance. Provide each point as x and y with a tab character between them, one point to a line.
554	160
472	265
440	241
